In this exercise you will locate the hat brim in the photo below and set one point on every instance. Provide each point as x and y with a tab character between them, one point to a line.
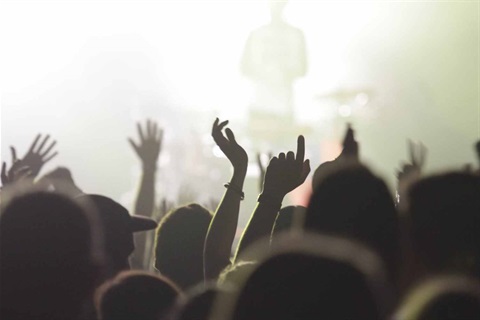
141	223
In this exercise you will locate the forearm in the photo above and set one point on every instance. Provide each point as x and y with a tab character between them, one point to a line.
143	206
222	230
146	194
261	223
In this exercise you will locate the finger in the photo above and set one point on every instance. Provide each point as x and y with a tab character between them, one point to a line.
349	135
217	134
305	170
43	144
281	156
422	154
222	125
230	135
273	161
300	149
4	173
34	143
215	125
14	155
140	132
217	128
50	158
411	151
134	146
154	129
290	156
149	128
50	147
259	160
160	136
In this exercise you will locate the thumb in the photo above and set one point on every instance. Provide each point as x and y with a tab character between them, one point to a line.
305	170
230	135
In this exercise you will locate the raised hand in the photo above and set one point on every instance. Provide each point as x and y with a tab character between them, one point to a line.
37	157
350	145
417	153
286	172
410	171
16	172
148	150
229	146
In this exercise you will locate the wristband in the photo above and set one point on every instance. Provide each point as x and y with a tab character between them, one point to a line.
236	189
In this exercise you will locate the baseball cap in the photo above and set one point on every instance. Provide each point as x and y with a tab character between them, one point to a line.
118	224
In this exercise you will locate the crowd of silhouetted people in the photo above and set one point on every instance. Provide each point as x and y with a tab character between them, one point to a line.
357	251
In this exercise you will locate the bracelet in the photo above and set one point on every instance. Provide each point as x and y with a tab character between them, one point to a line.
236	189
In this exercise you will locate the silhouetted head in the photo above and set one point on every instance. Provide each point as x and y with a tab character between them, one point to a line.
179	242
135	295
444	298
276	9
118	228
444	219
323	170
49	264
352	202
316	278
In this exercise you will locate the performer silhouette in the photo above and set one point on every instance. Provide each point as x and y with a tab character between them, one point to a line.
274	56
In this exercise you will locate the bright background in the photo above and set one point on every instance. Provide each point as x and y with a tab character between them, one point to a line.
85	71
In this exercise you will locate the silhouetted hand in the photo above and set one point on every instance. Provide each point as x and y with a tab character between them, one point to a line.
350	145
37	157
229	146
286	172
410	171
417	153
148	150
16	172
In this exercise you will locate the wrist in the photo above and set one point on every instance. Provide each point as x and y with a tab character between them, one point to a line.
149	168
271	199
236	189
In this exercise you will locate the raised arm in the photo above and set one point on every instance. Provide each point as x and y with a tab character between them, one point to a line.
410	171
221	233
16	172
37	155
148	150
284	174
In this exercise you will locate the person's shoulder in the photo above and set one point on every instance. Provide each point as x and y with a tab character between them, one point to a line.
262	30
